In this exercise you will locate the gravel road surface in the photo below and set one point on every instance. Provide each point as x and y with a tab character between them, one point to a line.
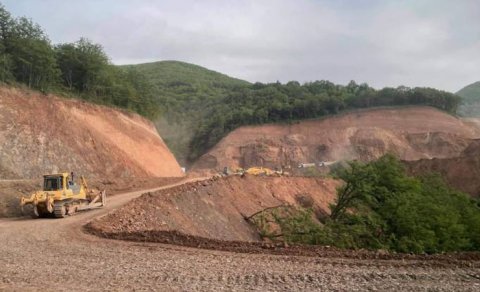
56	255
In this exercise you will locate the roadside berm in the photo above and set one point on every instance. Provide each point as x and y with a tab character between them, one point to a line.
215	209
214	214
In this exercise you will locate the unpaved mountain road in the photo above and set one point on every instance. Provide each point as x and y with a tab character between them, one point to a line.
56	255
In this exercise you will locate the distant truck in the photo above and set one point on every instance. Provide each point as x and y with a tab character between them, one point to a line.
256	170
319	164
306	165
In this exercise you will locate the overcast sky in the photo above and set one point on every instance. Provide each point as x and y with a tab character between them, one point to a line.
384	43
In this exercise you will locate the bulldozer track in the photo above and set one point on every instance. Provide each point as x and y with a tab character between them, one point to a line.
59	210
82	261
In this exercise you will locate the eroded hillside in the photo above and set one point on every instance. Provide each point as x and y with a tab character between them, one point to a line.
41	134
215	209
461	173
411	133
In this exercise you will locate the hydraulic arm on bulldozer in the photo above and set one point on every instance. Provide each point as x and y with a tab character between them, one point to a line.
61	196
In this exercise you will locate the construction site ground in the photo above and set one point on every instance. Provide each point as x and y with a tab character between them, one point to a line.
57	255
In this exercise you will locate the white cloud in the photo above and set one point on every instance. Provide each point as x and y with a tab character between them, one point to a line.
384	43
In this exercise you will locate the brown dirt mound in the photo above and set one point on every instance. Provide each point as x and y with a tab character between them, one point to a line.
461	173
216	208
43	134
411	133
211	215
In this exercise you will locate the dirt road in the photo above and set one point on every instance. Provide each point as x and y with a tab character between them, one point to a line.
56	255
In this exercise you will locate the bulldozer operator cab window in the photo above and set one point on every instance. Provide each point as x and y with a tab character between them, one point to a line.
52	183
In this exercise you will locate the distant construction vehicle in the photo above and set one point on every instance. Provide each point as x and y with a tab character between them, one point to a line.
61	196
319	164
259	171
306	165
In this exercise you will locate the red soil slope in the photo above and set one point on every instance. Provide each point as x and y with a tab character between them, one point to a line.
411	133
215	209
41	134
461	173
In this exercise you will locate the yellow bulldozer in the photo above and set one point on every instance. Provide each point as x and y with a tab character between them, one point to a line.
258	171
61	196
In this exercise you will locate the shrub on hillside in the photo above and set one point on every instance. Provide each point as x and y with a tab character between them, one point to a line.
380	207
403	213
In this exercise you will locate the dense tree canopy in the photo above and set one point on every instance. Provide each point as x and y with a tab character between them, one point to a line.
26	54
382	207
82	68
82	64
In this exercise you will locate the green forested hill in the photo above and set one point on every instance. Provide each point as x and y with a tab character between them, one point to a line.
182	87
181	73
470	92
199	106
184	91
471	100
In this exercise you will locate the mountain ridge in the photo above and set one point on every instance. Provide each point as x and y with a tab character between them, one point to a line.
189	70
470	95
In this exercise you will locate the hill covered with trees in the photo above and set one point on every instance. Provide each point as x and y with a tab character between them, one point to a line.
471	100
182	89
470	92
183	92
200	106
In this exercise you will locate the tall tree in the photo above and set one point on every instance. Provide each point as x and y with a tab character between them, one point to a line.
6	26
83	64
32	55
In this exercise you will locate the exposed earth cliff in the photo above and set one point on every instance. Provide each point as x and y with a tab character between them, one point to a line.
411	133
41	134
461	173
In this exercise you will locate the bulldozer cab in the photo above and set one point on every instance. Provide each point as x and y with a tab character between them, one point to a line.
53	183
58	182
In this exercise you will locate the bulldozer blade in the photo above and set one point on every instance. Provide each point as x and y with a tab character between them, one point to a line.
97	202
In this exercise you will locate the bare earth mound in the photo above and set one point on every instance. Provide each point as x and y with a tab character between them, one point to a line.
211	215
41	134
214	209
411	133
